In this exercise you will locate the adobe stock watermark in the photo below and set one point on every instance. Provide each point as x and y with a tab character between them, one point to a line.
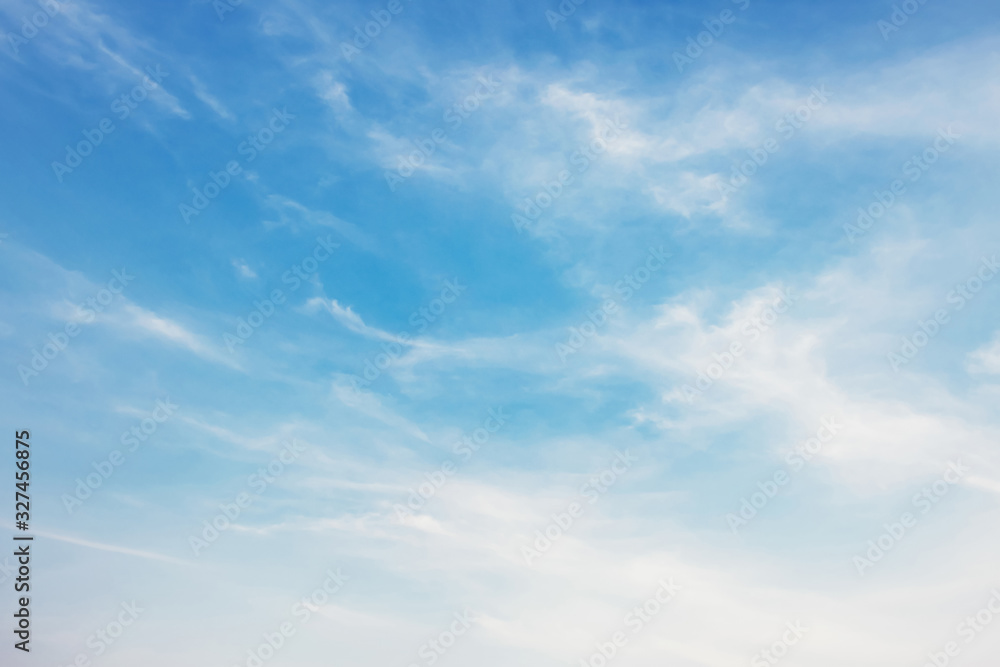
420	320
265	309
899	17
714	27
969	629
591	491
58	341
454	116
105	637
581	158
914	169
465	448
773	654
258	483
928	497
928	329
795	461
103	470
434	649
787	126
302	612
625	288
752	328
381	18
250	148
123	107
566	9
31	25
636	620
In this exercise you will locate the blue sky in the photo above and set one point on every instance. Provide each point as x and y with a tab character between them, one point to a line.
241	236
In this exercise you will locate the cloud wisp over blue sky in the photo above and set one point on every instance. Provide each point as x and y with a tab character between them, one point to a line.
401	333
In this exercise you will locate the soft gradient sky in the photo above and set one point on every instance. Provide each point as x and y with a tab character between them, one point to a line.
582	325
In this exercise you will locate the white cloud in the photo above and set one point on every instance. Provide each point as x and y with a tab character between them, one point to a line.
212	102
986	359
243	269
138	319
350	319
333	92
